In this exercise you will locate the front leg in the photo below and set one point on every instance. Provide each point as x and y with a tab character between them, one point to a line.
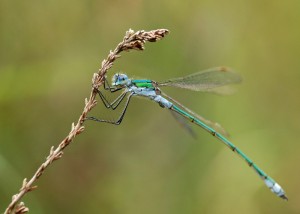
117	122
106	86
113	105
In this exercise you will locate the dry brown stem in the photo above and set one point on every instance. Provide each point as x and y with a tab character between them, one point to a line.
132	41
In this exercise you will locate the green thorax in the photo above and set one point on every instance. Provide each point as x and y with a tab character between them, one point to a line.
142	83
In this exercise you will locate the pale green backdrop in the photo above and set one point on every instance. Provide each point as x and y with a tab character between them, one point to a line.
149	164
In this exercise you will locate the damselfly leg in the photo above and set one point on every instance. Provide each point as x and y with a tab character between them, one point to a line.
112	105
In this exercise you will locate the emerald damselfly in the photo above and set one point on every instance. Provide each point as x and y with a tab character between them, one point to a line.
210	80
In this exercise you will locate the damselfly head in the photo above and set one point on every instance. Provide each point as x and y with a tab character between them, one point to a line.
120	80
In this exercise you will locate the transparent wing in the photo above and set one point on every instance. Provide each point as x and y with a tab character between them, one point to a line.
208	80
184	123
214	125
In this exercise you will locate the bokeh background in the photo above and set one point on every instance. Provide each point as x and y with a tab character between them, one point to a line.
49	51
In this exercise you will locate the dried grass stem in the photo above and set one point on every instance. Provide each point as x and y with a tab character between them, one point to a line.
132	41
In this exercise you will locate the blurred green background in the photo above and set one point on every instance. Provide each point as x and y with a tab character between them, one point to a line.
49	51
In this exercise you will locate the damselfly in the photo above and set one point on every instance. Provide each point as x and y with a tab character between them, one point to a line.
210	80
